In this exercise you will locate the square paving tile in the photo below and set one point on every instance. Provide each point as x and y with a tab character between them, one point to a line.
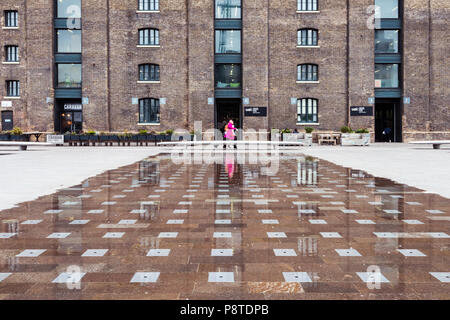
175	221
441	276
411	253
221	252
221	277
69	278
58	235
348	252
222	235
31	253
158	252
317	221
168	235
82	222
94	253
330	235
284	252
113	235
4	275
370	277
276	235
225	221
143	277
270	221
31	222
296	277
365	221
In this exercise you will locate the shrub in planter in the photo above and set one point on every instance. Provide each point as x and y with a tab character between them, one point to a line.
346	129
16	135
363	130
309	130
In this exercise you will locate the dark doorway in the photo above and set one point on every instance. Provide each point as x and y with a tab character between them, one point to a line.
388	120
226	110
69	116
7	120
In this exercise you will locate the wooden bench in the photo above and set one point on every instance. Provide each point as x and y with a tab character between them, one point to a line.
436	143
24	145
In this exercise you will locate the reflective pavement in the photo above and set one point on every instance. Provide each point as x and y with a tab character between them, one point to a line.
156	230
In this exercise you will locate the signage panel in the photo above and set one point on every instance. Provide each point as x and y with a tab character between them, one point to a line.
255	111
361	111
73	107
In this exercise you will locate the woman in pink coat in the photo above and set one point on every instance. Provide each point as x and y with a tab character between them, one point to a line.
229	130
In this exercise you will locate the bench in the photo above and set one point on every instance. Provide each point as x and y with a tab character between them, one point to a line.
24	145
436	143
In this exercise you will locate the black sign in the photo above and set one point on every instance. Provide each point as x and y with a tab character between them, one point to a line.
255	111
73	107
361	111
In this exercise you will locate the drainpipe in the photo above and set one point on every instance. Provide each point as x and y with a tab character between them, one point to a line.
108	71
347	68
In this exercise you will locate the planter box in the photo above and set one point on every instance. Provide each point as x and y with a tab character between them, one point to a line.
305	138
4	137
355	139
18	138
93	138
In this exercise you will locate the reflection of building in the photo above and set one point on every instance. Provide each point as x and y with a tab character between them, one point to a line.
149	172
307	172
165	64
149	210
308	246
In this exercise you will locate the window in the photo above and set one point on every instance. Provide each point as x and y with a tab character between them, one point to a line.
228	75
228	9
386	75
148	5
149	110
307	5
68	40
11	19
386	41
69	75
148	72
307	72
307	37
149	37
388	9
12	54
228	41
69	9
13	88
307	110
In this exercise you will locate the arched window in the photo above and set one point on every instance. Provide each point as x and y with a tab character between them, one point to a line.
307	72
307	110
307	5
148	5
307	37
149	110
148	72
149	37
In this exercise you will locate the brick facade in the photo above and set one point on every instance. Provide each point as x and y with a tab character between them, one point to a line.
110	59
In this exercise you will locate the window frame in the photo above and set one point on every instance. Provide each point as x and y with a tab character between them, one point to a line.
227	30
308	69
149	4
14	54
14	90
57	76
57	41
145	33
314	36
300	106
399	80
8	19
307	5
148	70
218	18
142	112
398	41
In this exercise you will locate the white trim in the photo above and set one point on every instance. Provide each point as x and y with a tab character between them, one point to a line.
148	82
148	11
308	46
148	46
7	62
12	98
149	124
312	82
307	11
307	124
10	28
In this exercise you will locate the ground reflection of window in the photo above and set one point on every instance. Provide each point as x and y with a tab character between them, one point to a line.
228	9
149	210
308	246
386	75
307	172
149	172
228	75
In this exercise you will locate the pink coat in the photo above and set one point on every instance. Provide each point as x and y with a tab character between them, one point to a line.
229	134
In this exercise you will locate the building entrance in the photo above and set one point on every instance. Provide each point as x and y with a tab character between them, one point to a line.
69	116
388	120
226	110
7	120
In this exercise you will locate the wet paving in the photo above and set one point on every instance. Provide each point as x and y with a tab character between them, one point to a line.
157	230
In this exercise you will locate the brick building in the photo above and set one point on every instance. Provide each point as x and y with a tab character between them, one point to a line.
115	65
